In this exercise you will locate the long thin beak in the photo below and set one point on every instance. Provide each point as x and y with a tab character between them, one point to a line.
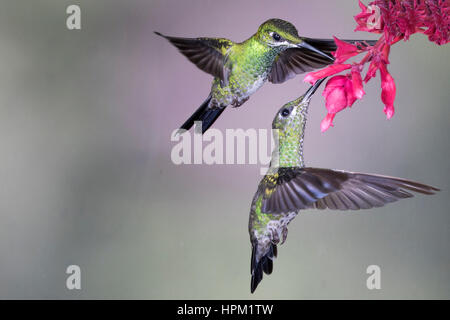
308	94
306	45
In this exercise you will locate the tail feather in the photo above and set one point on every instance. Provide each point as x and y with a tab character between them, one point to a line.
196	115
261	266
210	117
205	114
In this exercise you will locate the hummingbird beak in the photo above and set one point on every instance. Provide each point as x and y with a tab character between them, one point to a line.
306	45
308	94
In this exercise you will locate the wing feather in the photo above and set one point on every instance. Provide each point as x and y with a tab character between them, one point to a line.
295	61
304	188
208	54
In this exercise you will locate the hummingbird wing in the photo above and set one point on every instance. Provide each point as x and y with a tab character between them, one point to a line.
295	61
208	54
301	188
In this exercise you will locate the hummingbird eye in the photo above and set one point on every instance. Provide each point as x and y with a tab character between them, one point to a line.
276	36
285	112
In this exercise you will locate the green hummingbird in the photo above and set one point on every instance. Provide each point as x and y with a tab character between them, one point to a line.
289	187
275	53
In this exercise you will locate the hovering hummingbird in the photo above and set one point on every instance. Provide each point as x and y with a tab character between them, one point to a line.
289	186
275	53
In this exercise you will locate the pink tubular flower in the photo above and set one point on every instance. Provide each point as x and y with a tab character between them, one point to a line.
402	18
312	77
358	89
339	94
379	58
387	91
394	20
327	122
438	22
344	50
362	19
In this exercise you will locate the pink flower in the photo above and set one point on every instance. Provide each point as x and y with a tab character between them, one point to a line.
358	89
344	50
327	122
372	71
402	18
312	77
387	91
408	18
362	19
379	57
339	94
395	20
437	21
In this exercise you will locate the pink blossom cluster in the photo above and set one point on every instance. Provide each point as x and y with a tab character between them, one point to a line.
394	20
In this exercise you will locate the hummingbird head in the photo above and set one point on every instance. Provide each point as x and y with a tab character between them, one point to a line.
290	116
289	125
293	112
281	34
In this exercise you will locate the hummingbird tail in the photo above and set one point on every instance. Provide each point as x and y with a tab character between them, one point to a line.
205	114
264	264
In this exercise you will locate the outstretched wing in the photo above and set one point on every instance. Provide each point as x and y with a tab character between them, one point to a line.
301	188
295	61
208	54
266	231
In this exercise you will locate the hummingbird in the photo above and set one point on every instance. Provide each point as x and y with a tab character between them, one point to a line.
289	187
275	53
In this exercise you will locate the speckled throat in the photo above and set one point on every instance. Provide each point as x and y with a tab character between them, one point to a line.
288	149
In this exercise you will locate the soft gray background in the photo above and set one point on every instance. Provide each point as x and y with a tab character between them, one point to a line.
86	176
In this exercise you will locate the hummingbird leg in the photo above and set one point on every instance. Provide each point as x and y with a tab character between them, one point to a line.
275	237
214	104
237	103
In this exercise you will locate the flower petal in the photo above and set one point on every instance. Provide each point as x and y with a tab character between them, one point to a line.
362	19
358	89
333	83
335	94
344	50
312	77
388	90
348	87
327	122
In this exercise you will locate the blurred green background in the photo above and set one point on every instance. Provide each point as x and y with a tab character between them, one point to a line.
86	176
